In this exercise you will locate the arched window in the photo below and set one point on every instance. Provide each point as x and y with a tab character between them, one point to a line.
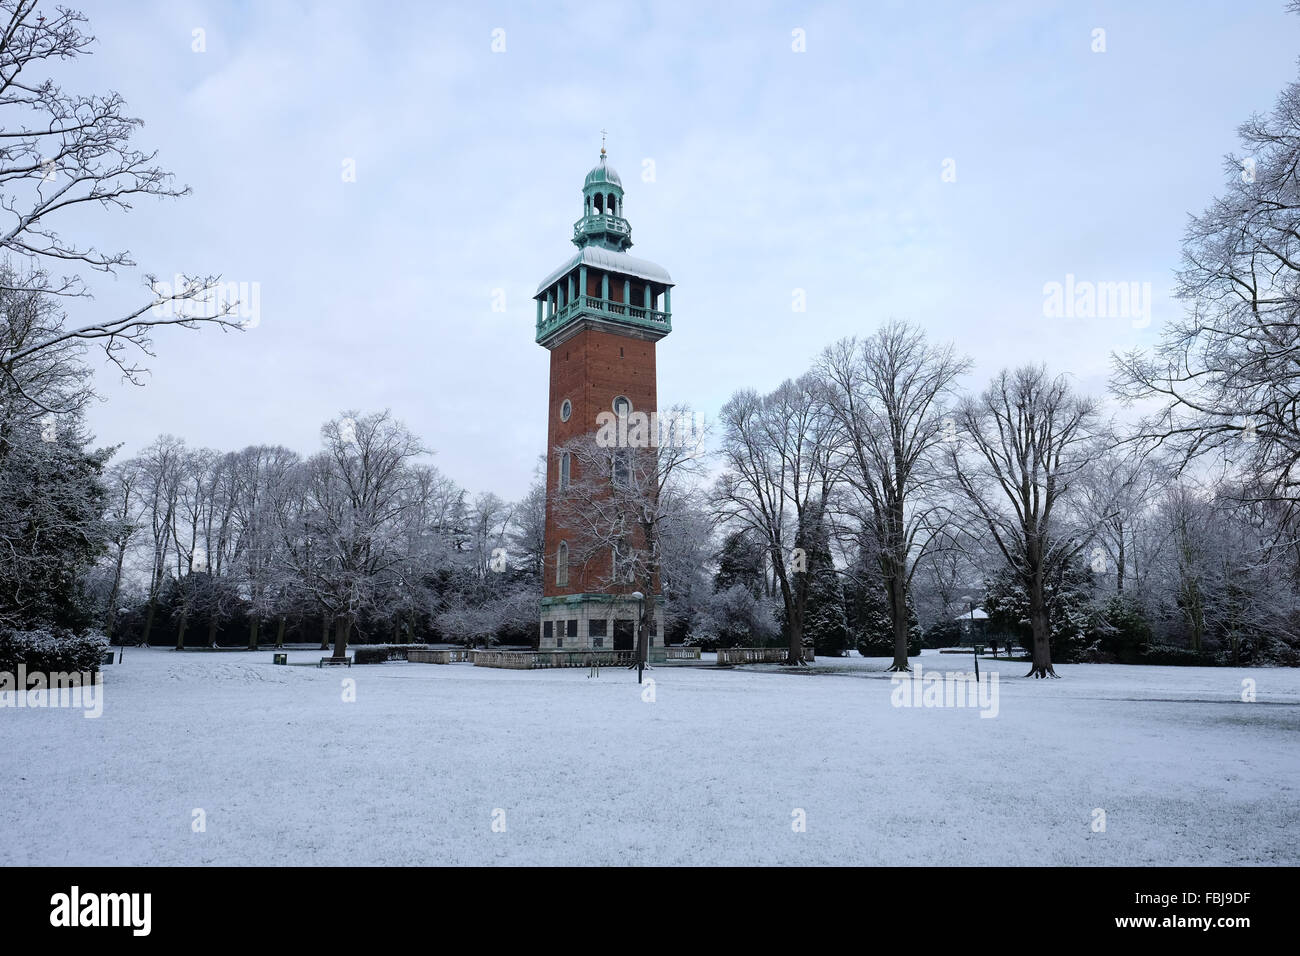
622	470
612	204
622	406
566	407
562	565
600	203
564	471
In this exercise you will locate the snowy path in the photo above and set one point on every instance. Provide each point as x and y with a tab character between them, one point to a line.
710	772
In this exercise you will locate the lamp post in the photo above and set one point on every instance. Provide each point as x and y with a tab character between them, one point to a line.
975	650
640	633
121	644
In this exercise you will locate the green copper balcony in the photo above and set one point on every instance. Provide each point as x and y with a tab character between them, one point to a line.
614	229
655	321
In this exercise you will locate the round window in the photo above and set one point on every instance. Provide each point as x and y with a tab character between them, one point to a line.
566	409
622	406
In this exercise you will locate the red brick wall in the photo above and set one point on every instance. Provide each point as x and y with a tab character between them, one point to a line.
591	370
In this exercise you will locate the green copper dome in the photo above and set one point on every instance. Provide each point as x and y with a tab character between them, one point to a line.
602	173
603	222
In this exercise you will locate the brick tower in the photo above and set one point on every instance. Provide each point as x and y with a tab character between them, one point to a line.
599	315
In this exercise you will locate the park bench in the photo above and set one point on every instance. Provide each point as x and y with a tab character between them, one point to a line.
335	660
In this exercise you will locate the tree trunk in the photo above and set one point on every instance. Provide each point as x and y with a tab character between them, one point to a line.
148	620
212	631
795	655
279	633
324	633
1119	564
898	611
180	630
796	623
1197	616
112	596
253	625
341	628
1041	625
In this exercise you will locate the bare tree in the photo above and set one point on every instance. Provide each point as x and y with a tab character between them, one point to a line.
887	394
777	451
121	521
947	568
528	535
1118	490
432	524
53	378
686	554
356	494
490	519
1227	374
197	471
1029	437
258	477
62	152
160	476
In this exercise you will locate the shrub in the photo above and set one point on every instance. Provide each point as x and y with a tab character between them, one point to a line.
1122	630
1176	656
942	634
51	650
882	645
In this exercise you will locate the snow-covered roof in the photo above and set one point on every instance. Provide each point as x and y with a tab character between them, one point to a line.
977	615
610	260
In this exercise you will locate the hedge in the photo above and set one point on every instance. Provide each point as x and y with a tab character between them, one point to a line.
51	651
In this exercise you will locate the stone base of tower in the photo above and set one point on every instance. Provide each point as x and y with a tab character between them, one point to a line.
596	622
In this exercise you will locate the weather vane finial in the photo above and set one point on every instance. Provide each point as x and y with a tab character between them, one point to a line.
602	142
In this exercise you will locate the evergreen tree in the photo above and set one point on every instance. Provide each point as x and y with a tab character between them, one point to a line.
52	498
870	624
825	622
1068	595
740	561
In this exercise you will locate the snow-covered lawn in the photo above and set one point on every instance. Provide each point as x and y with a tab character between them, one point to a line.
712	771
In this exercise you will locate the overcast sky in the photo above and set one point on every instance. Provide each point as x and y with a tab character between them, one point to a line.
773	170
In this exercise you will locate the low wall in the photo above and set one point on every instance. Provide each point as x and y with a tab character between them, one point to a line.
759	655
535	660
449	656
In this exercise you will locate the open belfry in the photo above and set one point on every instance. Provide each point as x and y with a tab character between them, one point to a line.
599	315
